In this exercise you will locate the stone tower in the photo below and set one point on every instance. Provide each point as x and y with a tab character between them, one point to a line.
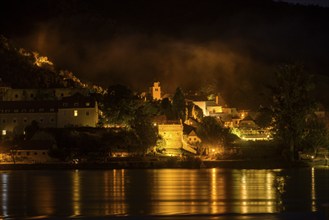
156	91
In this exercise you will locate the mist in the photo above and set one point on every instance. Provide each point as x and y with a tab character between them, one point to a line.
232	47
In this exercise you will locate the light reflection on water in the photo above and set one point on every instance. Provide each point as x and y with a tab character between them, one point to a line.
161	192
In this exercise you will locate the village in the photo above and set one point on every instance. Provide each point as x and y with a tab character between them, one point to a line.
28	117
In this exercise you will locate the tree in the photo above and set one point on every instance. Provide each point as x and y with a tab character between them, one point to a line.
120	105
144	130
212	132
167	109
291	107
179	105
264	117
316	134
31	129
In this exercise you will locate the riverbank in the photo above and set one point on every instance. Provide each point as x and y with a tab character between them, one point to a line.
163	164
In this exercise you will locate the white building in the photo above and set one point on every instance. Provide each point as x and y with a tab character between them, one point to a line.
77	110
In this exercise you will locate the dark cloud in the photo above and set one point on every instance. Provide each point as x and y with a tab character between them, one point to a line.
180	43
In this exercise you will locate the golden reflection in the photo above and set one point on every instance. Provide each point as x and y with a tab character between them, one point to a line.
257	192
214	195
4	194
189	191
313	206
45	195
107	193
115	191
217	192
175	192
76	194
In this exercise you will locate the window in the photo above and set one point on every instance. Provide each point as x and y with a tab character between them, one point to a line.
16	96
25	120
14	120
52	109
156	90
4	132
87	103
32	95
75	113
87	113
43	153
41	120
3	120
35	153
28	153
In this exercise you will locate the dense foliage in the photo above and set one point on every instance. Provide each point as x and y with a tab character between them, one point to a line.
295	125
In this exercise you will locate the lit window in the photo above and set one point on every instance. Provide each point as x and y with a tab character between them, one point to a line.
87	113
4	132
75	113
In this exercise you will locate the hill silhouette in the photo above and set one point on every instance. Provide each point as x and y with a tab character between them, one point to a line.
233	46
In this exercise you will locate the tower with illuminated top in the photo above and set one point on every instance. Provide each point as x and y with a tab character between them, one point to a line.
156	91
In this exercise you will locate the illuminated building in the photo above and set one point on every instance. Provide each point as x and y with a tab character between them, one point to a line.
172	134
76	110
155	91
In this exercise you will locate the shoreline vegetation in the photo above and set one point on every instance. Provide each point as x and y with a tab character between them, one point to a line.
169	163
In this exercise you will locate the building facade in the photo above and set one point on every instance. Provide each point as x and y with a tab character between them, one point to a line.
76	110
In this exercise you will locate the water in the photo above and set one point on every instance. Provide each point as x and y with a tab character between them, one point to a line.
165	194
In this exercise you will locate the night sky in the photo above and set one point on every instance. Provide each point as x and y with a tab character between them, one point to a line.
228	46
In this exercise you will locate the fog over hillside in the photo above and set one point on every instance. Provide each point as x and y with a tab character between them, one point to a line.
234	46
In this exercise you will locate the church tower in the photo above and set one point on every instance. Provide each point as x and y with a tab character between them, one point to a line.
156	91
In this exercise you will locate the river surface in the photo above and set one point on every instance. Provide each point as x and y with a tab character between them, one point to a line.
165	194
